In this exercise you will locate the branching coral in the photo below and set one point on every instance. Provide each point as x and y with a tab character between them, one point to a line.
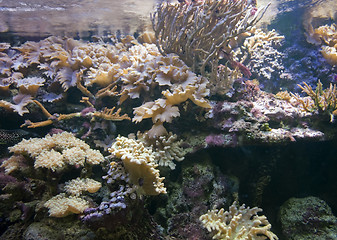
140	164
325	101
200	31
107	114
238	223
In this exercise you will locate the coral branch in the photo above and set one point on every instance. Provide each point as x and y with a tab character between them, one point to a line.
198	32
109	114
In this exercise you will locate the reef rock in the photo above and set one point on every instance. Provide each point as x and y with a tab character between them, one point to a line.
307	218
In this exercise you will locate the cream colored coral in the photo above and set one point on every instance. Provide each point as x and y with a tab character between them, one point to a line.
75	187
238	224
29	85
140	164
56	151
61	206
164	109
49	159
19	105
94	156
330	54
165	148
259	37
74	156
13	163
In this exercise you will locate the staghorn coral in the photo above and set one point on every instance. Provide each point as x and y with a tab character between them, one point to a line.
324	101
140	164
106	114
199	32
237	223
54	152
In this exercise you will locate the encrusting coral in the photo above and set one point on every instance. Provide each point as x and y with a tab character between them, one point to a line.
139	162
239	223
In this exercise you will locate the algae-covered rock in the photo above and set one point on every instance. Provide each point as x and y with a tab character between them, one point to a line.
50	229
307	218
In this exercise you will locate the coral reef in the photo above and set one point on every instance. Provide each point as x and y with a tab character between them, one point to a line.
202	131
193	188
122	71
261	52
259	117
237	223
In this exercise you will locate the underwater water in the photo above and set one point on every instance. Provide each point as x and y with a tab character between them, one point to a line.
182	120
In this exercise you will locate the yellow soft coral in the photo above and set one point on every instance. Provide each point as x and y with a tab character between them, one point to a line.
139	162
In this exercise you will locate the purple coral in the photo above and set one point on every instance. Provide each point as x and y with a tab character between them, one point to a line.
116	203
